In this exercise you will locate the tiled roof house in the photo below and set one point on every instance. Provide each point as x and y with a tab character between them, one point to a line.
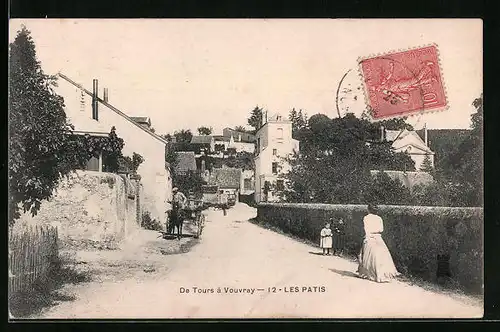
226	178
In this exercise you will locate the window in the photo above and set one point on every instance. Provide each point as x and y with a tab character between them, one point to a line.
275	168
275	152
92	164
280	133
280	185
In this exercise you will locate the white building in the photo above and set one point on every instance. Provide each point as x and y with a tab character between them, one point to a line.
274	144
412	143
240	141
216	145
247	182
239	146
96	119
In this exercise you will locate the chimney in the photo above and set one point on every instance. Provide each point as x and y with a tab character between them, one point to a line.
105	97
425	135
95	87
382	133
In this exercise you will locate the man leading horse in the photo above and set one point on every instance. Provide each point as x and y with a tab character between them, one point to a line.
177	215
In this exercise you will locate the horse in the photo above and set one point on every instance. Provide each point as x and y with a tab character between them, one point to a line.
177	220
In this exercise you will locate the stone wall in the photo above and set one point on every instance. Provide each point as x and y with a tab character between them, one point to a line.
90	209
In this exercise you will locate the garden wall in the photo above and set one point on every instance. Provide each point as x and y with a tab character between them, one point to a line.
416	236
89	209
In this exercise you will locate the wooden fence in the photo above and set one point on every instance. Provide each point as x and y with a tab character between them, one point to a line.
31	255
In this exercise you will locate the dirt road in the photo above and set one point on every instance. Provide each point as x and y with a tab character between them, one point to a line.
260	274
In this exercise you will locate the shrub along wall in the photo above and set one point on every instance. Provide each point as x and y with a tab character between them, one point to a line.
418	237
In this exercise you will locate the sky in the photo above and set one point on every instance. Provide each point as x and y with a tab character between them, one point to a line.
187	73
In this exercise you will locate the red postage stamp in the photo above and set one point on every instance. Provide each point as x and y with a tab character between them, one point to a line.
403	83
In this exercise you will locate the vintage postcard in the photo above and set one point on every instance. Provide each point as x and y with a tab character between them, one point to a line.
191	169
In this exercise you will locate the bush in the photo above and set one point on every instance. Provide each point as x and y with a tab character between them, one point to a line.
415	235
381	189
151	224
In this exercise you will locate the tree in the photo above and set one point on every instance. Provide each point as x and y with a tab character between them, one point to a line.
460	183
477	118
381	189
299	121
183	136
466	162
427	165
167	137
396	124
240	129
132	164
205	131
182	140
292	116
190	182
40	144
170	155
255	119
112	152
335	161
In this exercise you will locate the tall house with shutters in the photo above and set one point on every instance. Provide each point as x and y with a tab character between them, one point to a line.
274	143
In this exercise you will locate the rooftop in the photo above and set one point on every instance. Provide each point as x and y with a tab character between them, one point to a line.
226	177
391	135
201	139
221	138
246	137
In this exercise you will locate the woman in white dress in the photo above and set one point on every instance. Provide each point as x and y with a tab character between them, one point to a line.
375	260
326	239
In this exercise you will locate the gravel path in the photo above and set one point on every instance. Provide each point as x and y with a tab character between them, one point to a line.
239	258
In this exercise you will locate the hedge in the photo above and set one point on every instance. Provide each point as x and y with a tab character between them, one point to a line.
417	236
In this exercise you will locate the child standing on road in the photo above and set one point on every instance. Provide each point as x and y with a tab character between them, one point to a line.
326	239
338	237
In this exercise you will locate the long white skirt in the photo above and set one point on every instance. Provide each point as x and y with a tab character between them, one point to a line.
375	260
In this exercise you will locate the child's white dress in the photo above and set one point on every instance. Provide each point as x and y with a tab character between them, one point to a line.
326	238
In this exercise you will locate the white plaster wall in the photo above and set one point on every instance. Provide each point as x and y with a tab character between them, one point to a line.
244	147
270	140
152	170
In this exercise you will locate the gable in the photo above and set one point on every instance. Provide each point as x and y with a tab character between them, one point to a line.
408	138
415	149
87	121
